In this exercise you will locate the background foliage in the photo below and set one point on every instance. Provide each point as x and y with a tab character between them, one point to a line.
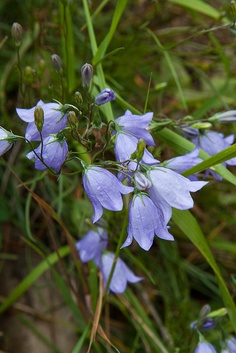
175	58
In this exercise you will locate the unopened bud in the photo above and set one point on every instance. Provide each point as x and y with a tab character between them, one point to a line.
29	75
72	119
17	32
56	63
140	149
141	181
202	125
86	74
39	117
78	98
105	96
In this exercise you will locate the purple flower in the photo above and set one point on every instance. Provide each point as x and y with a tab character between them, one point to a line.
54	120
172	188
53	152
213	142
206	324
5	138
226	117
145	220
125	145
231	343
205	347
182	163
103	190
121	275
90	247
105	96
136	125
169	189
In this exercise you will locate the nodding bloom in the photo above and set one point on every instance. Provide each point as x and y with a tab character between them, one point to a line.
52	151
181	163
90	247
136	125
168	189
231	344
105	96
6	138
121	275
206	325
54	120
205	347
145	220
125	145
104	190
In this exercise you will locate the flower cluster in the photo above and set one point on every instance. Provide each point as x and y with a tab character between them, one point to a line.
152	188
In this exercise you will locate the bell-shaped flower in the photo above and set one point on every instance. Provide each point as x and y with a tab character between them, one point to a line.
105	96
181	163
103	190
121	275
50	153
145	220
90	247
203	325
225	117
136	125
231	343
54	120
213	142
6	139
126	145
172	188
205	347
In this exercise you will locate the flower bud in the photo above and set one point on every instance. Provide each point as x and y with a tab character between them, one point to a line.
39	117
6	140
86	74
202	125
140	149
56	63
105	96
17	32
29	75
78	98
141	181
71	118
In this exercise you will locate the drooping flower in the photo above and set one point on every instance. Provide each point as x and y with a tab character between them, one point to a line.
105	96
145	220
103	190
169	189
125	146
136	125
231	343
90	247
225	117
53	152
205	347
181	163
121	275
6	139
54	120
172	187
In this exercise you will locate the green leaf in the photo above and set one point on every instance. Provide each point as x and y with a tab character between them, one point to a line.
190	227
199	6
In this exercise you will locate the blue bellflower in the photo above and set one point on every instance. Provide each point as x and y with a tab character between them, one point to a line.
103	190
53	152
121	275
136	125
90	247
145	220
5	139
169	189
205	347
54	120
231	343
181	163
125	145
105	96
